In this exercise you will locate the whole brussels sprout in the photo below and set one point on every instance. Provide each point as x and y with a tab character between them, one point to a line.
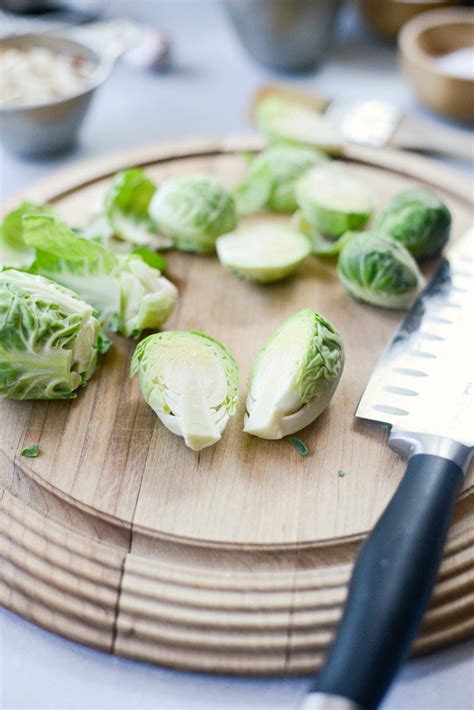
379	270
294	376
193	210
49	338
417	219
272	177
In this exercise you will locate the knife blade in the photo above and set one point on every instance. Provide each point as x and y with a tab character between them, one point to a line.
423	388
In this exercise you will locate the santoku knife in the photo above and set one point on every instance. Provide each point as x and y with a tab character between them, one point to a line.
423	387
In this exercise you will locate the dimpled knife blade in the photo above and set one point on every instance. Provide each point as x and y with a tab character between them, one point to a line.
424	380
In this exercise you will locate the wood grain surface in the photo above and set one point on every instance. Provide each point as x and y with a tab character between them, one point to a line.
235	559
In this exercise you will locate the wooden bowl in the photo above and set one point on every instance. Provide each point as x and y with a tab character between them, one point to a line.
387	17
422	42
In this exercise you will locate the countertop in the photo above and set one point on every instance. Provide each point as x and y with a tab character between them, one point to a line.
206	93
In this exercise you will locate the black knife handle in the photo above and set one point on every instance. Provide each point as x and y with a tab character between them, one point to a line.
391	584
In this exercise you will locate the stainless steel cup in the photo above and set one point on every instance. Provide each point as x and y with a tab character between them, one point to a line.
288	35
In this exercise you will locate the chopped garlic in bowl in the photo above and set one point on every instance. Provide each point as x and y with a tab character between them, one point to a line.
37	75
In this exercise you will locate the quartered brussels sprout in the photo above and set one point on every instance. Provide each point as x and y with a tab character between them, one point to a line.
192	383
333	200
380	271
417	219
272	176
283	120
49	338
193	210
294	376
128	294
264	253
126	208
13	251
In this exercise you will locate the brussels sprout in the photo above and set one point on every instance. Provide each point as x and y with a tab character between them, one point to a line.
380	271
264	253
126	208
294	376
333	200
193	210
192	383
417	219
129	295
272	176
49	338
13	251
289	121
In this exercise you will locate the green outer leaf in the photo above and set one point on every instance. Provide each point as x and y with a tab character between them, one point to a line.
31	452
299	445
321	246
151	258
14	253
417	219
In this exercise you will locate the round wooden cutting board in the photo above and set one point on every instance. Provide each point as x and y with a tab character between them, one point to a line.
235	559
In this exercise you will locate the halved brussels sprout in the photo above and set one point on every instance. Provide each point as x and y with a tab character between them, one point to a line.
284	120
380	271
129	295
49	338
126	207
264	253
192	383
333	200
193	210
294	376
272	176
417	219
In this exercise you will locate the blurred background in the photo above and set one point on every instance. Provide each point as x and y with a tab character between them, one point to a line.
147	71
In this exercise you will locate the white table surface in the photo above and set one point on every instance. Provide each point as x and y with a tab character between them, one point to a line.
206	93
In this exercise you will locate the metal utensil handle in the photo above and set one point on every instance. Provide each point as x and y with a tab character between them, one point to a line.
390	587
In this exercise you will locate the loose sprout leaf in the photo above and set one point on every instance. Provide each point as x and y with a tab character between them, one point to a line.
320	245
289	121
126	207
14	253
272	176
193	210
294	376
128	294
151	258
333	200
299	445
98	230
48	338
418	220
264	253
379	270
31	452
192	383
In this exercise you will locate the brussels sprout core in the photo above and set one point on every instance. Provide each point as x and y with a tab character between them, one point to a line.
379	270
192	383
193	210
294	376
333	200
49	338
264	253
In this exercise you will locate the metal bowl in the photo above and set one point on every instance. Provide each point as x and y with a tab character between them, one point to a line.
39	129
288	35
